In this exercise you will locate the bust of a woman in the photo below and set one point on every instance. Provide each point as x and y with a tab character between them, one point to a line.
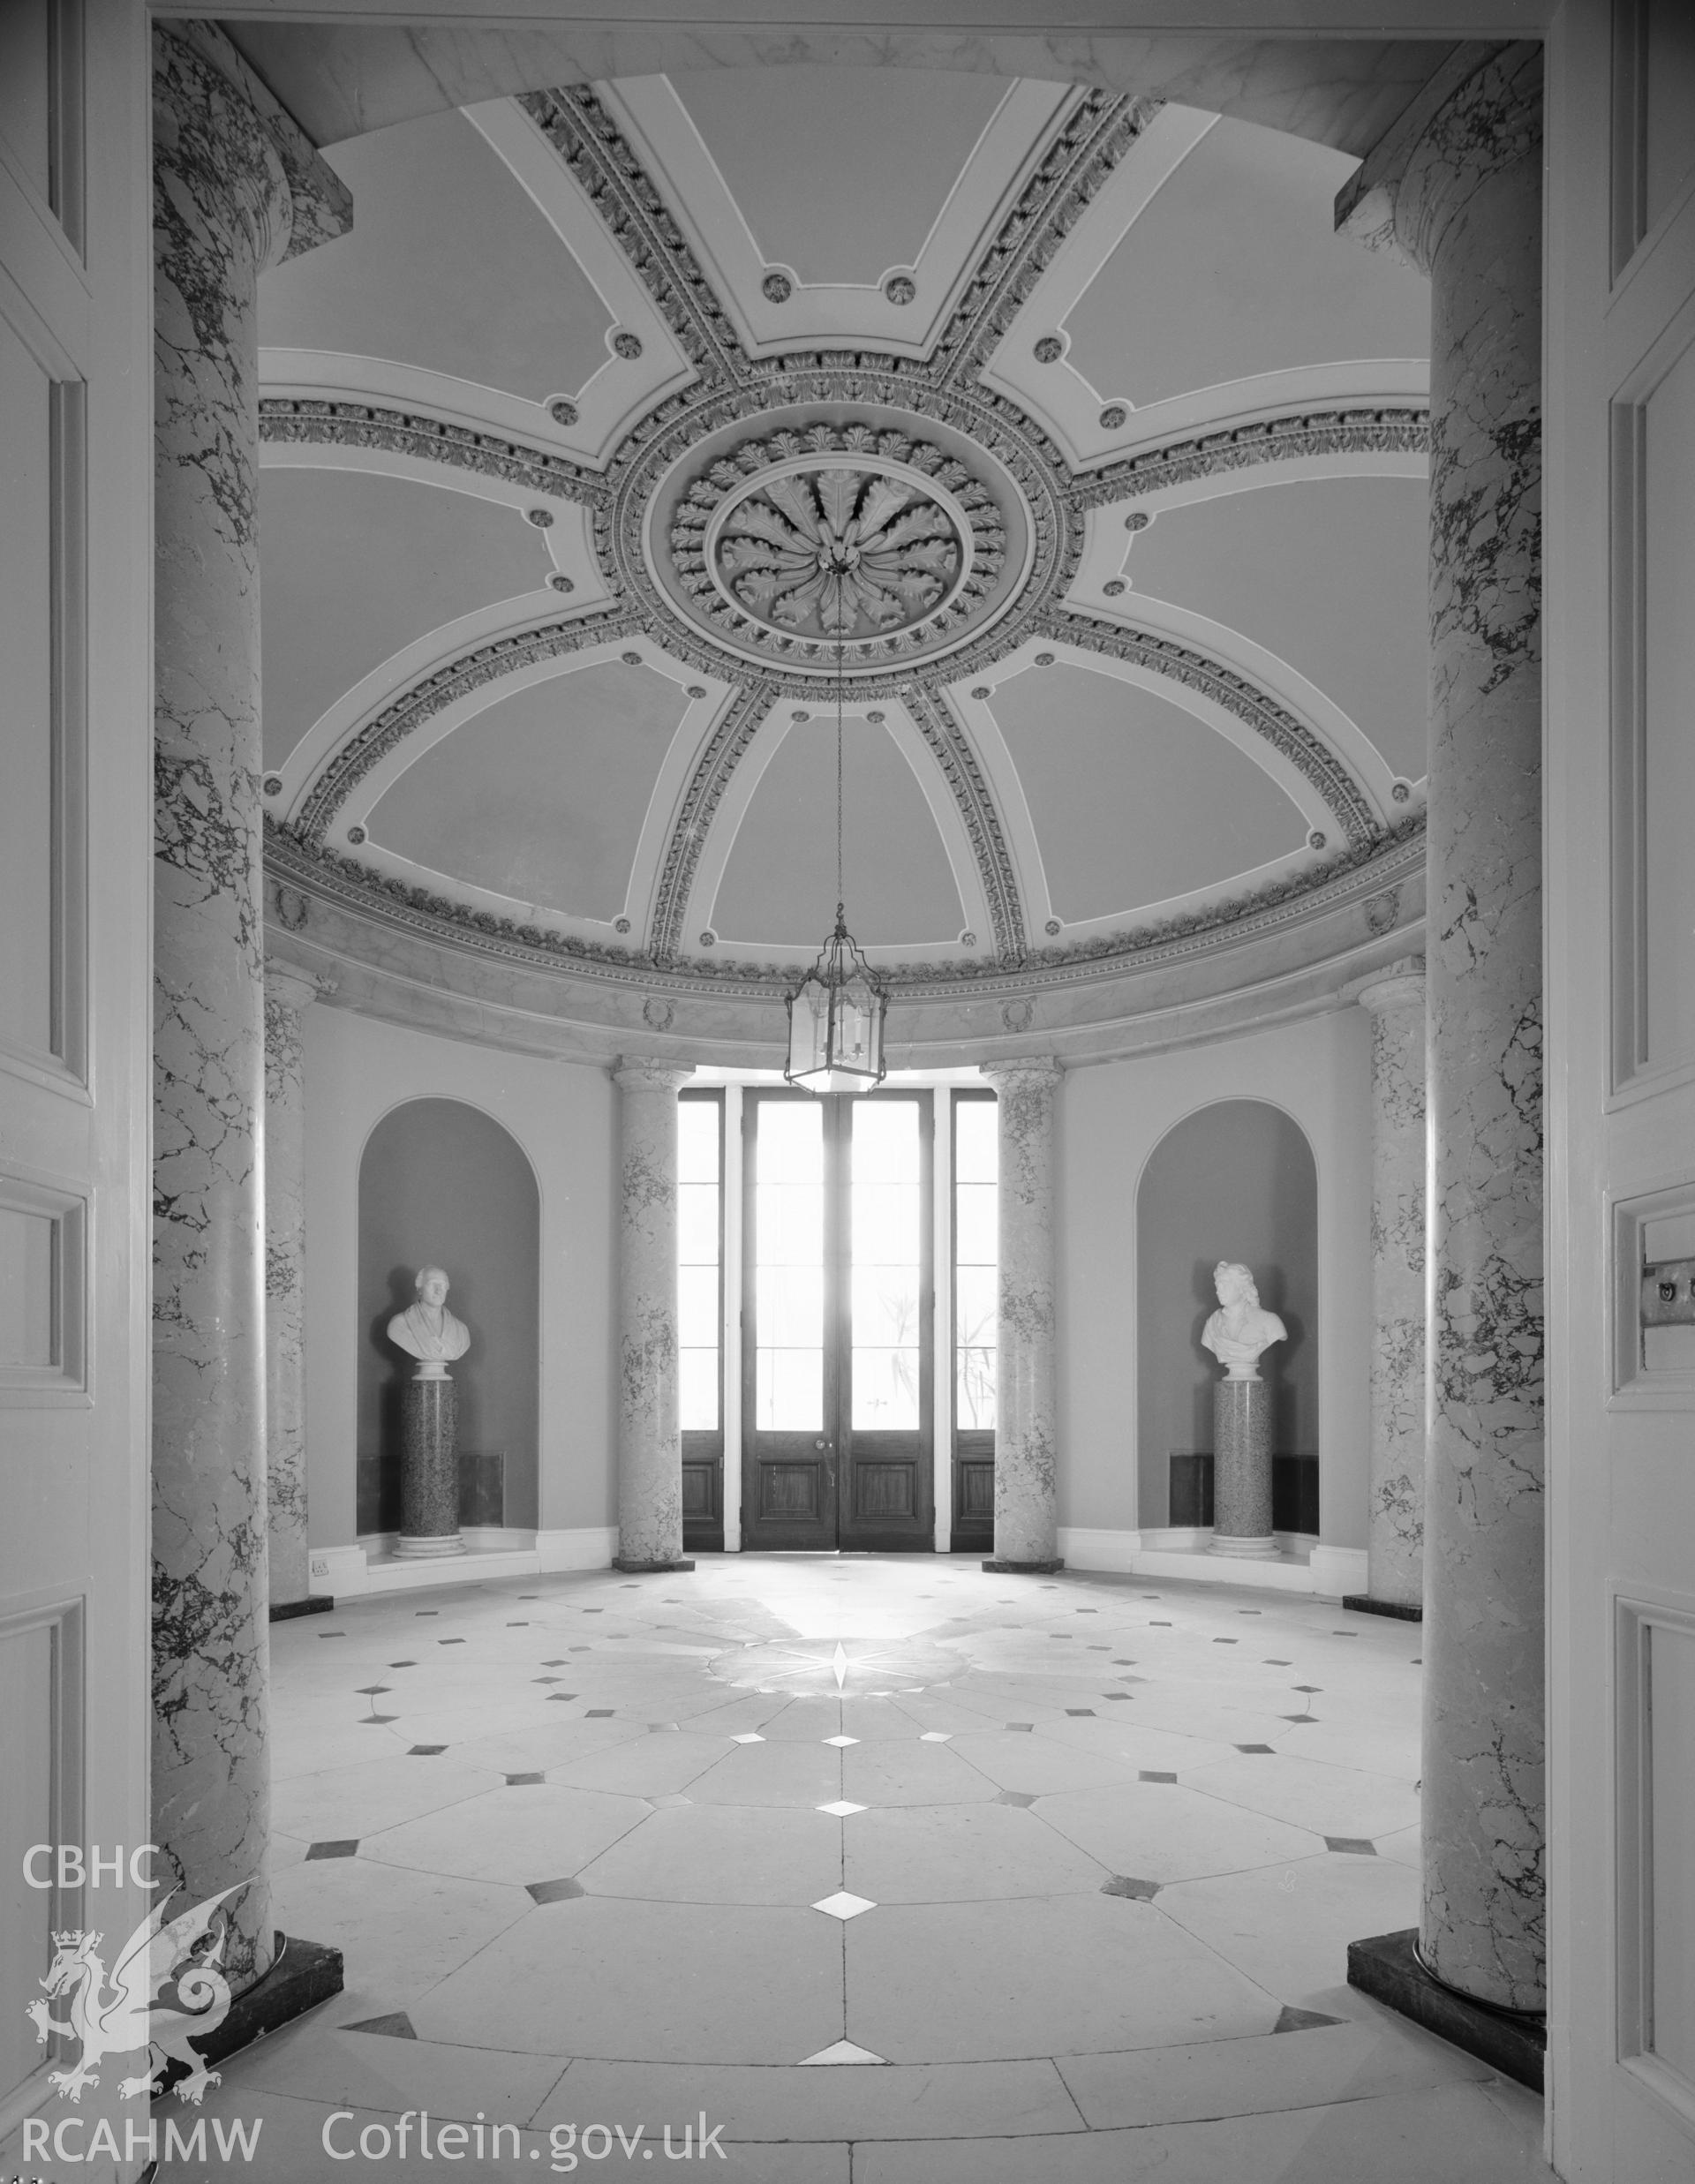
1242	1328
427	1331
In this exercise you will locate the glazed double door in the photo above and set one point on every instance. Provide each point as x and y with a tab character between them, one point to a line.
838	1323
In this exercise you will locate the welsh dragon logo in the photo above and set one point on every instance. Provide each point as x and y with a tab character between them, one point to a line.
164	1988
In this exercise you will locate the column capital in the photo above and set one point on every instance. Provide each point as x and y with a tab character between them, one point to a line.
1399	986
294	988
1018	1071
214	117
650	1072
1480	115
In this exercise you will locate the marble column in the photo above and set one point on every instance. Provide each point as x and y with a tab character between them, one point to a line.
1026	1408
1458	193
650	1439
1395	1512
236	186
289	993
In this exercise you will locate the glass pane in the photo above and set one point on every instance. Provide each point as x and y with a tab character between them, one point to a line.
976	1141
697	1225
789	1306
886	1223
788	1219
975	1212
697	1140
886	1391
697	1391
885	1141
698	1316
973	1390
789	1392
790	1148
886	1306
973	1305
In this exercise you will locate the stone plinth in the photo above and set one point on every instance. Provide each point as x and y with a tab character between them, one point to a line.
1241	1468
1458	192
236	188
1026	1408
429	1464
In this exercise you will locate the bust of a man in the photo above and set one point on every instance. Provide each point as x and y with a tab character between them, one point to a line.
1242	1328
427	1331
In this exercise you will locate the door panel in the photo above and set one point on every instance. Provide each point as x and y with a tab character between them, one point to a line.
788	1496
886	1141
1620	1077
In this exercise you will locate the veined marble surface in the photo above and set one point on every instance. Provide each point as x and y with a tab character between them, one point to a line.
1467	205
649	1441
1026	1421
223	209
1395	1513
287	996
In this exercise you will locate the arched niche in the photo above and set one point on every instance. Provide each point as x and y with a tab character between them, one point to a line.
441	1183
1233	1180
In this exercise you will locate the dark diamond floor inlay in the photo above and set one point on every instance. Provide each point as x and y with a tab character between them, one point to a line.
1122	1884
372	1691
1115	1694
425	1752
1294	2020
600	1713
396	2026
369	1721
556	1891
403	1664
1026	1727
1081	1711
338	1847
1015	1796
1252	1747
1358	1846
1152	1774
522	1781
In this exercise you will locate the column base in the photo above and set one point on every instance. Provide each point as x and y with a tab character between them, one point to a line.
999	1568
651	1569
415	1546
302	1974
1231	1545
1387	1968
318	1604
1362	1604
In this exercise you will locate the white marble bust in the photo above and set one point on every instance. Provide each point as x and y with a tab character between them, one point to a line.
427	1331
1242	1328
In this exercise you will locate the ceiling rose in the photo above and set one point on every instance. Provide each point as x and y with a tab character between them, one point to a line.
867	539
856	551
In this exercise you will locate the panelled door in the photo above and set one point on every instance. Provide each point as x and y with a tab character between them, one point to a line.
837	1322
1620	621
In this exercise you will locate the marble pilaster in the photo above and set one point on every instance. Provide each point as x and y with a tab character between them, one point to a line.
1395	1512
289	993
235	187
650	1439
1462	198
1026	1406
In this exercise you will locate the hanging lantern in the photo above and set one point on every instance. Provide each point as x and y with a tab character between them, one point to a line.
835	1020
835	1014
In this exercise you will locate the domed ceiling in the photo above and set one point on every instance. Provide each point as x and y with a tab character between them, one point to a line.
1052	436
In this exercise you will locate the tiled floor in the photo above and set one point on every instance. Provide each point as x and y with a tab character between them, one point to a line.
899	1872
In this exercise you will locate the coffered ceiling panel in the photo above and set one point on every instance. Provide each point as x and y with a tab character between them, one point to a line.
780	885
449	267
840	172
1172	808
541	798
354	565
1234	270
1329	574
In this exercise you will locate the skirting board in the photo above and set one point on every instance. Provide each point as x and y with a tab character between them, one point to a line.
364	1567
1177	1551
